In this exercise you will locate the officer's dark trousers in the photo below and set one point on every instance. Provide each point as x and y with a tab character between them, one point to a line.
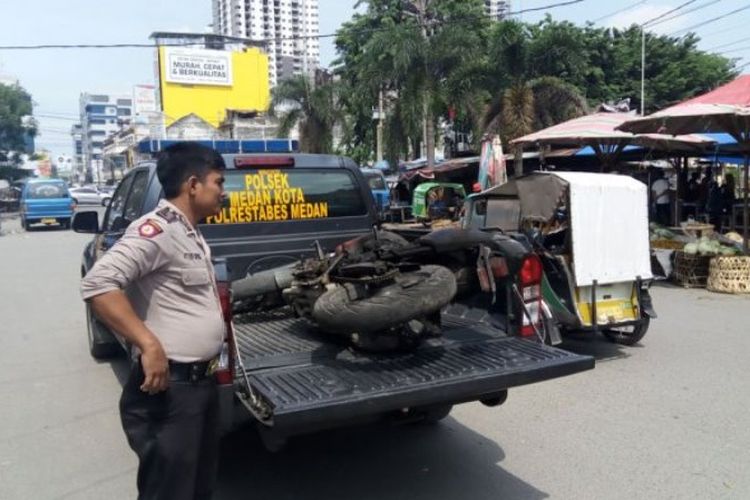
175	435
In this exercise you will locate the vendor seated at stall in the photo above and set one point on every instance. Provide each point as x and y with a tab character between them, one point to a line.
436	205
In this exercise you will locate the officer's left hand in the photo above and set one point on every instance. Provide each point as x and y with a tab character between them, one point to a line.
155	369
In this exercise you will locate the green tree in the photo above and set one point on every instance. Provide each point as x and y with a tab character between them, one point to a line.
357	96
433	58
15	107
412	50
297	101
675	69
526	99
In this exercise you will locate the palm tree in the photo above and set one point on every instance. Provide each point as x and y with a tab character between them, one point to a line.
411	53
525	102
313	108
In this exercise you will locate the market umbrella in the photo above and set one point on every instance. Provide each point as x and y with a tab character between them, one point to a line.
725	109
599	131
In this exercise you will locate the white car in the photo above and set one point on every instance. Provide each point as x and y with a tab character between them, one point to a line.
90	196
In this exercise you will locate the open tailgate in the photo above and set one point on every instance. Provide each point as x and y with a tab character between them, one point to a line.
313	383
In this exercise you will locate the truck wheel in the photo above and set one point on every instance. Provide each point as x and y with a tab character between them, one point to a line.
101	343
65	223
418	293
271	439
628	335
434	414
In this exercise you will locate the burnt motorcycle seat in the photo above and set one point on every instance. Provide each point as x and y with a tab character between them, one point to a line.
452	239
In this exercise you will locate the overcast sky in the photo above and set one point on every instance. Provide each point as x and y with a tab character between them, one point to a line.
55	78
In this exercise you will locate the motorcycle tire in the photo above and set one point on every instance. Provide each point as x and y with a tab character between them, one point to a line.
412	295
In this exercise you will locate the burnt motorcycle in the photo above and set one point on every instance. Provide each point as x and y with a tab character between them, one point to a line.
381	292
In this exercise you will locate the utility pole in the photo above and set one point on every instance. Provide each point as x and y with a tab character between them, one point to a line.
643	70
428	124
379	139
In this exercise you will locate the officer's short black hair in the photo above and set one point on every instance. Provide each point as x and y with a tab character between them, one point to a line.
180	161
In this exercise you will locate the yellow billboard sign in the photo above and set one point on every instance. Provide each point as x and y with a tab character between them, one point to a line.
209	82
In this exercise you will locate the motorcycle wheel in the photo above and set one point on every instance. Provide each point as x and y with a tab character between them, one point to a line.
412	295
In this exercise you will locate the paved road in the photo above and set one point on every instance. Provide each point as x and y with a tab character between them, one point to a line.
667	419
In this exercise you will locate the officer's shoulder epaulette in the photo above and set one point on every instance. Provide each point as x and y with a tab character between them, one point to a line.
149	228
167	214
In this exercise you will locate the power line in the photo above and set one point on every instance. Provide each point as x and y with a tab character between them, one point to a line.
711	20
260	40
722	31
697	7
52	117
618	11
746	47
660	16
728	44
545	7
60	113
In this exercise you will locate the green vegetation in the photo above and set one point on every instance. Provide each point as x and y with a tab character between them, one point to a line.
442	60
15	106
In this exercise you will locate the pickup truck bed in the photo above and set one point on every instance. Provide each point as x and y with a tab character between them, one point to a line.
312	382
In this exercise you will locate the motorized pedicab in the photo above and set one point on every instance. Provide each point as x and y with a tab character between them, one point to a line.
591	232
437	200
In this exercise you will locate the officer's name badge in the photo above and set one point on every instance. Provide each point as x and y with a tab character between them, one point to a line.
149	229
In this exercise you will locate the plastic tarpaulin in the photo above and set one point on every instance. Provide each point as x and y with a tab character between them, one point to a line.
609	227
540	194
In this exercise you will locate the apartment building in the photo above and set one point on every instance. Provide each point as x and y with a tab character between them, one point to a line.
290	27
497	10
101	116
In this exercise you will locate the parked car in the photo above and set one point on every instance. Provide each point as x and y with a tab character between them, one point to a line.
88	195
46	201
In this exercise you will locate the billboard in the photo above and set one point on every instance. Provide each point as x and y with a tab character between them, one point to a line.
207	83
144	100
198	66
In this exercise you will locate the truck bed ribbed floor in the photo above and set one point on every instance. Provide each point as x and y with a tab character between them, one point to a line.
308	378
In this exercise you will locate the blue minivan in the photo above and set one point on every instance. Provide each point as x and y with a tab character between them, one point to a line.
378	187
46	201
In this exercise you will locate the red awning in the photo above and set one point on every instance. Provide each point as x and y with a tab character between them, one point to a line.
736	93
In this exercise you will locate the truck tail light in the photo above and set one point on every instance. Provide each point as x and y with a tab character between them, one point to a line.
530	285
225	371
531	271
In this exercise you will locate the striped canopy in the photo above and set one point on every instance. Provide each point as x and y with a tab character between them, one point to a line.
583	131
599	130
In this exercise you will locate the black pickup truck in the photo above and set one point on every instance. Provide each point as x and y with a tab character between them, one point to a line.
282	374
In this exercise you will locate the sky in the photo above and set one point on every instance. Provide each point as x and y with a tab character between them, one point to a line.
55	78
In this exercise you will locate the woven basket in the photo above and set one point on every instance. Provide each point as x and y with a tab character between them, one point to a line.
729	275
691	270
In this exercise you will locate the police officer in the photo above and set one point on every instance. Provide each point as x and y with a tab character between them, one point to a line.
172	316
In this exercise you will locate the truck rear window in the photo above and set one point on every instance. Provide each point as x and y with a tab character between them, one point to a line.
276	195
46	190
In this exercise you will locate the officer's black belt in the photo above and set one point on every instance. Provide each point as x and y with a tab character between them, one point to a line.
188	372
